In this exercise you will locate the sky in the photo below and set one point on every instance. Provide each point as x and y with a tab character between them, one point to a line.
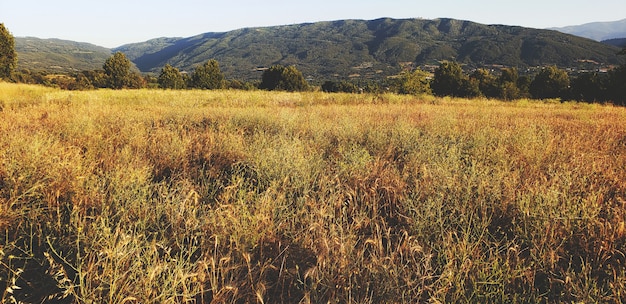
113	23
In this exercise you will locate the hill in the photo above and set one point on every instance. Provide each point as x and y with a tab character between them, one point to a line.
597	30
59	55
619	42
368	48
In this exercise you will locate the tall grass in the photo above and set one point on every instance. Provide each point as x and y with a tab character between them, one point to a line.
234	197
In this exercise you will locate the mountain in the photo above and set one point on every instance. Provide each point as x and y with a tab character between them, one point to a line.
597	30
372	48
58	55
618	42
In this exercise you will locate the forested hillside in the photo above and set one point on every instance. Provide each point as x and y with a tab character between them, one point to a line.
369	48
55	55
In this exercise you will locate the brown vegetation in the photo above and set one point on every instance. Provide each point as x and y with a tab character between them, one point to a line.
233	197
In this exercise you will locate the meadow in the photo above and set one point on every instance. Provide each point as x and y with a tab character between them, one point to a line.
153	196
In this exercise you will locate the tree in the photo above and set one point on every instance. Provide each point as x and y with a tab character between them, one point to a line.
589	87
8	56
96	77
341	86
448	80
616	90
283	78
551	82
487	83
170	78
507	84
416	83
117	71
508	75
208	76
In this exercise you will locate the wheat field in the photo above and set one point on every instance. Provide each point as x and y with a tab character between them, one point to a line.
152	196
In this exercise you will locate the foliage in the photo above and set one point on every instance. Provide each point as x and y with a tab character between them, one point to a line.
343	86
117	71
416	83
616	88
283	78
223	196
550	82
170	78
208	76
487	83
449	80
8	56
590	86
508	85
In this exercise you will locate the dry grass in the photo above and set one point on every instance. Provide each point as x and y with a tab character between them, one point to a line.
236	197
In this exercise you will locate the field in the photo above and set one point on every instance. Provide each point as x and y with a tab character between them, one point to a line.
154	196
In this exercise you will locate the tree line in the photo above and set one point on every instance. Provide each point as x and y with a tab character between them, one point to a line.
448	79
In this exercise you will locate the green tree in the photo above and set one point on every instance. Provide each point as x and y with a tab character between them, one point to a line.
509	75
487	83
341	86
507	84
8	56
117	71
283	78
589	87
508	91
616	88
82	83
523	84
416	83
208	76
170	78
448	80
551	82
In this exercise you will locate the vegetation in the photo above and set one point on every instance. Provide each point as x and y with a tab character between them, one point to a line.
415	83
171	78
283	78
117	71
449	80
343	86
235	197
372	49
8	56
58	56
208	76
550	82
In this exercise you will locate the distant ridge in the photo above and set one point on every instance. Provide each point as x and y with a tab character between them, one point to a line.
598	31
56	55
374	48
334	49
618	42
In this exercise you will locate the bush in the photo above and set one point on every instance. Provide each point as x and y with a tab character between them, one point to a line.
551	82
283	78
208	76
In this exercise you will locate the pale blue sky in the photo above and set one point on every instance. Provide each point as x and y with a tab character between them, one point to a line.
116	22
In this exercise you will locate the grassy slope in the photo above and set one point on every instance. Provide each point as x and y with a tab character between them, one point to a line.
168	196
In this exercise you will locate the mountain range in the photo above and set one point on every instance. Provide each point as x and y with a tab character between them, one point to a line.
340	49
598	31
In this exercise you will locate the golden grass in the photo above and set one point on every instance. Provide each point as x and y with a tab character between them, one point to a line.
154	196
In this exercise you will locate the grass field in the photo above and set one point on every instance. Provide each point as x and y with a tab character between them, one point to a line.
156	196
